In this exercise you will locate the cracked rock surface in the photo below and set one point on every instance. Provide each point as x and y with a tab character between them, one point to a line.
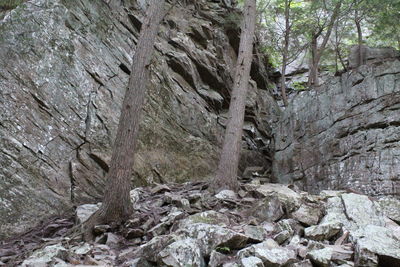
345	134
216	231
64	67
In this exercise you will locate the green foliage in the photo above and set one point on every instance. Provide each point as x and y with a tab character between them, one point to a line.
9	4
232	20
379	21
223	250
384	17
300	86
274	57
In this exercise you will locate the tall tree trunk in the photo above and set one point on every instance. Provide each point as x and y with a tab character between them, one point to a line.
313	72
357	21
313	77
117	205
226	175
285	52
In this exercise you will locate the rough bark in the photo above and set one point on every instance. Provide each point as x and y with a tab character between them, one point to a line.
226	175
285	52
117	205
313	72
357	21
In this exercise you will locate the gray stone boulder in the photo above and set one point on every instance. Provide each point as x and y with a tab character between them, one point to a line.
390	207
251	262
290	198
330	255
286	229
270	253
182	253
207	217
376	245
255	233
83	212
217	259
305	263
323	231
308	214
46	256
209	237
276	256
353	211
269	209
226	195
370	55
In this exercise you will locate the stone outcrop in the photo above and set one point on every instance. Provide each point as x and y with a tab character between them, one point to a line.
370	55
64	67
344	135
216	231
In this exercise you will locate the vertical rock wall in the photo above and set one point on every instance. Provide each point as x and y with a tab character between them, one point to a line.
64	67
344	135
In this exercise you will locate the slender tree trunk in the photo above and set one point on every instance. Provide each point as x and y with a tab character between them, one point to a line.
341	59
226	175
337	44
313	77
357	21
336	61
117	205
285	52
398	42
313	72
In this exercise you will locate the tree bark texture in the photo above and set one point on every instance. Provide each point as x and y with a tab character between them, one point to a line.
226	175
313	72
360	58
117	205
285	52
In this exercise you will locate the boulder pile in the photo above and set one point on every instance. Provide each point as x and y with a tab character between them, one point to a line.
261	225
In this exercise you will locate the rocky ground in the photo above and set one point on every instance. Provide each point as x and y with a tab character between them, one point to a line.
261	225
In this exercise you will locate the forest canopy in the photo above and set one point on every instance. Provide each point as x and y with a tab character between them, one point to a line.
370	22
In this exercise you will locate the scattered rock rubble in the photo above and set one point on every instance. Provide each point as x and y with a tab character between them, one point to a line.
261	225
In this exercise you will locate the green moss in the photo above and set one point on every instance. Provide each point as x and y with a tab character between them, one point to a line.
223	250
300	86
202	219
9	4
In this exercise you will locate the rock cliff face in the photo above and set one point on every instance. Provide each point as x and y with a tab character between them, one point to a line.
344	135
64	67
